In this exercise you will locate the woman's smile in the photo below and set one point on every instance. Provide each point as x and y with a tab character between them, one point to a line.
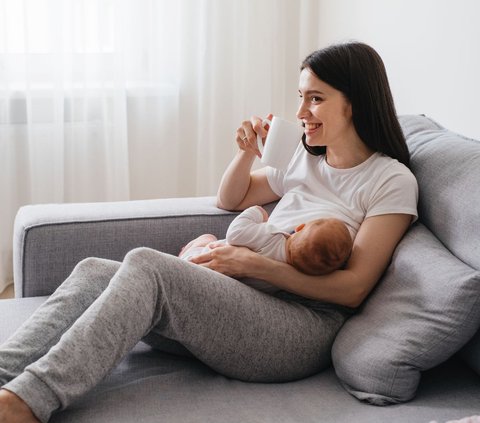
312	128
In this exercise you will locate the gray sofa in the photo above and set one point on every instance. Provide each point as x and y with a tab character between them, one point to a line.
150	386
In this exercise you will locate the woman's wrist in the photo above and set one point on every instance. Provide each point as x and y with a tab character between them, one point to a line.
280	274
261	267
246	158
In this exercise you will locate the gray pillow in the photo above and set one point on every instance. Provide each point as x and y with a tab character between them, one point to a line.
424	309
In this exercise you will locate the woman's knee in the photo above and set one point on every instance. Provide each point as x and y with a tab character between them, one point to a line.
142	266
96	267
90	275
145	261
160	271
142	255
148	259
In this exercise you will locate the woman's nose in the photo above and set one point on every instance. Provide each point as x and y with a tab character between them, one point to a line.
302	110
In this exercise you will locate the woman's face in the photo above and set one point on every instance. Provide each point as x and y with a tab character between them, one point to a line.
325	112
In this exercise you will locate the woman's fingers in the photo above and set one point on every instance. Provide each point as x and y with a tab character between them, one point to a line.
247	134
202	258
258	127
246	138
221	259
261	129
217	244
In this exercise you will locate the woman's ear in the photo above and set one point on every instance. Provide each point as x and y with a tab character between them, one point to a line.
299	227
348	110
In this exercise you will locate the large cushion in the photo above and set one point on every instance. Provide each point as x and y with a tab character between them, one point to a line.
447	168
425	308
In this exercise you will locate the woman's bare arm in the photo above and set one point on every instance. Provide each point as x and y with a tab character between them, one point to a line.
374	245
235	194
240	188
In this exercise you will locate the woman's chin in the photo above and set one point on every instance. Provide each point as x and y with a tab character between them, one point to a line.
312	142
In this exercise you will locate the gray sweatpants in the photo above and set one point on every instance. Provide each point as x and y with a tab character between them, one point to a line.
104	308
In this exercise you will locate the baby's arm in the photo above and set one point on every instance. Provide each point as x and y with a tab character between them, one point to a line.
247	229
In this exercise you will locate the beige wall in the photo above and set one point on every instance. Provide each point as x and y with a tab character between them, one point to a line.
431	49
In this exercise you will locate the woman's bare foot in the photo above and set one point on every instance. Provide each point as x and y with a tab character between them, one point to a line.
201	241
14	410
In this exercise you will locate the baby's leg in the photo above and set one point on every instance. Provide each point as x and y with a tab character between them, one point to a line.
201	241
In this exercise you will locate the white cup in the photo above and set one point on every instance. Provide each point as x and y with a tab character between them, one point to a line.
281	142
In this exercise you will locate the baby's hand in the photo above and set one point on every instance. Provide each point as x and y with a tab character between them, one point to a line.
264	213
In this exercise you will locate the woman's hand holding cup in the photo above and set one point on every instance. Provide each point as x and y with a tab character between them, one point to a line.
247	134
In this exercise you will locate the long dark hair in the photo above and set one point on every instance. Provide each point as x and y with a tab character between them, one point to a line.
357	70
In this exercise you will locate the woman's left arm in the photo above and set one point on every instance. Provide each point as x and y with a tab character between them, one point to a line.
372	251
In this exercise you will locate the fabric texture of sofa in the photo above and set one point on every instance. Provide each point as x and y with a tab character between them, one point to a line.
414	344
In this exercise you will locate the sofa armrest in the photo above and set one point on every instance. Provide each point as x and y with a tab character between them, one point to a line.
49	240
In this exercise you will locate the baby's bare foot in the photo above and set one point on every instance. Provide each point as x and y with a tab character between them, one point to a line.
14	410
201	241
204	239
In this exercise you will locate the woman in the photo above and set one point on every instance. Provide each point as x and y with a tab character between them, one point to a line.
353	165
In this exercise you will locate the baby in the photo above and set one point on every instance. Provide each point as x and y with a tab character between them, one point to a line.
315	248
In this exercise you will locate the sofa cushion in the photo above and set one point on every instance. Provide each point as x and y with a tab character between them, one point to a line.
150	386
425	309
14	313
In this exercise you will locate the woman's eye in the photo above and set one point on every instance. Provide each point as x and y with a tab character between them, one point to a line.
311	99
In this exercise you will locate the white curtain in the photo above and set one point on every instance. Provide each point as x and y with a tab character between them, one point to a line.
106	100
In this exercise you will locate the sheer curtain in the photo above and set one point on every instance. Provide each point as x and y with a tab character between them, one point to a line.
108	100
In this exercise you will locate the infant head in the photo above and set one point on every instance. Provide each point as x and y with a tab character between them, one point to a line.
319	247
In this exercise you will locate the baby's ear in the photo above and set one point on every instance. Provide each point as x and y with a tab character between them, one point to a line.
299	227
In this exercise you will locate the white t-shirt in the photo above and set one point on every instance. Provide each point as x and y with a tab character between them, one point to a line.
310	189
249	230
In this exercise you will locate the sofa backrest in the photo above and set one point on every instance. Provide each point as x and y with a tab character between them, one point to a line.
447	167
